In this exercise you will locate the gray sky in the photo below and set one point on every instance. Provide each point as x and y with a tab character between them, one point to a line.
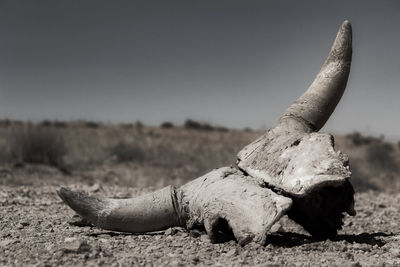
233	63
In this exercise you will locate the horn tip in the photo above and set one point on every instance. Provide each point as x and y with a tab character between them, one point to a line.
69	197
341	49
81	203
346	23
63	192
346	27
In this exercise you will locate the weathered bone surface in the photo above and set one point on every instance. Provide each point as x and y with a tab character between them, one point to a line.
317	104
304	164
223	201
288	156
296	163
291	169
225	195
150	212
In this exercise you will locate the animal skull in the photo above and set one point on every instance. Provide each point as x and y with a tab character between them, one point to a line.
290	170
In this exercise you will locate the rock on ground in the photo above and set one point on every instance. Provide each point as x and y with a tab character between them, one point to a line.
35	230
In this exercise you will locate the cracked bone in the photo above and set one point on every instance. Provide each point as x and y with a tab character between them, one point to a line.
292	169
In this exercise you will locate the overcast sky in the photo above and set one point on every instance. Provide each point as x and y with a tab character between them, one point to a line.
232	63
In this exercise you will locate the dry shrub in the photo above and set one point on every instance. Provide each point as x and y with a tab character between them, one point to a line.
46	123
358	139
126	125
128	152
361	180
204	126
380	155
167	125
196	125
60	124
5	123
375	163
92	124
35	144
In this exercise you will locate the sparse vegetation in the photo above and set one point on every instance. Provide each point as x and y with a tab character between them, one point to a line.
60	124
139	155
196	125
126	125
128	152
358	139
139	124
38	144
221	129
46	123
167	125
5	123
92	124
380	155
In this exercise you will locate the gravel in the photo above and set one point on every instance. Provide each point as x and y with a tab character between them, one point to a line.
36	228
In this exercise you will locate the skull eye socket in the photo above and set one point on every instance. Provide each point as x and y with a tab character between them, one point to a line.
222	232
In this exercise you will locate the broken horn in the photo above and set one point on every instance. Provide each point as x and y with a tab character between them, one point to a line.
146	213
316	105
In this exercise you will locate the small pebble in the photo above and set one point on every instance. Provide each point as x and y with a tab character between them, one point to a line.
170	231
75	245
232	252
395	252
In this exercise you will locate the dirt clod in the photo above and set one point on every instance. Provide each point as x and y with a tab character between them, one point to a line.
75	245
77	220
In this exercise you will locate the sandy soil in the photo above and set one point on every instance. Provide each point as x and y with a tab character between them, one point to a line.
36	229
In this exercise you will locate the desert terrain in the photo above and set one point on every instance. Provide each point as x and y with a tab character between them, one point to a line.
127	160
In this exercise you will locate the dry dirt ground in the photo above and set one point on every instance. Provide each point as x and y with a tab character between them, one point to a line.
36	230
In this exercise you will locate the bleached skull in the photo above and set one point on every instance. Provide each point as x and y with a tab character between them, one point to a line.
292	169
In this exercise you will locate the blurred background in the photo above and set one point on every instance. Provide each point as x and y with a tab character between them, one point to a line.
149	93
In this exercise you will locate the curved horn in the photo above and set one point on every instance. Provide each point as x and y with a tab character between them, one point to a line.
150	212
316	105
